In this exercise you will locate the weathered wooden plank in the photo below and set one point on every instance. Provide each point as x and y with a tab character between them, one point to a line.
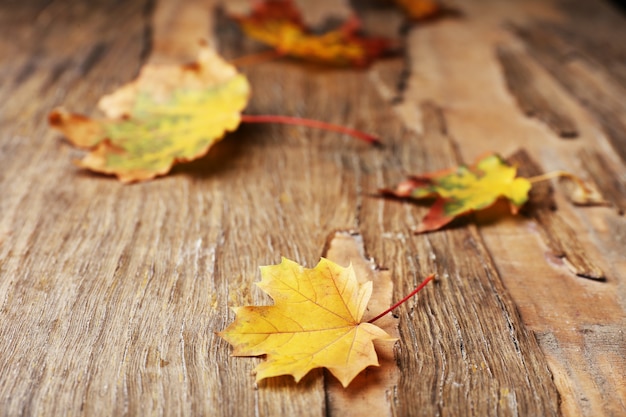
481	118
55	299
586	80
577	322
110	295
371	392
558	235
612	187
534	97
451	333
592	29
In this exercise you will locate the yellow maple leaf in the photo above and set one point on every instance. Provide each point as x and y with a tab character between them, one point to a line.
315	322
169	114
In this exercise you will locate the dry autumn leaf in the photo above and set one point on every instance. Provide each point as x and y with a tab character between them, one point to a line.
169	114
582	193
315	322
278	23
464	189
577	190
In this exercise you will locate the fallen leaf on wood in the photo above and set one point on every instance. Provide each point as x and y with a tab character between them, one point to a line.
278	23
583	193
577	190
170	114
315	322
461	190
420	9
580	192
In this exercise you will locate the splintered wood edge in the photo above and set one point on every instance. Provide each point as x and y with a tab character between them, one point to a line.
605	178
523	84
370	393
583	80
557	234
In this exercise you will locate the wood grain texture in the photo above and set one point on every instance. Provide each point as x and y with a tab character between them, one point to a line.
450	330
371	392
584	78
111	294
559	236
610	183
533	96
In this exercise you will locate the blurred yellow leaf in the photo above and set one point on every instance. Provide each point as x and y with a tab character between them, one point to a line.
170	114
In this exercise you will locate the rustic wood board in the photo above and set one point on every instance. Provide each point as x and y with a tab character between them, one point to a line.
111	295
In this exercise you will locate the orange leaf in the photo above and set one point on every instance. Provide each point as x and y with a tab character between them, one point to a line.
170	114
278	23
420	9
315	322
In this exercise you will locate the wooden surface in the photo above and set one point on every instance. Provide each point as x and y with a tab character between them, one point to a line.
111	295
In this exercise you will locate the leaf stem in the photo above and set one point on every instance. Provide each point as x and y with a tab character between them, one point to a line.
562	174
298	121
553	174
405	299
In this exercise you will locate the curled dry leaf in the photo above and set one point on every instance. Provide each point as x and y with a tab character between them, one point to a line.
580	192
463	189
278	23
169	114
315	322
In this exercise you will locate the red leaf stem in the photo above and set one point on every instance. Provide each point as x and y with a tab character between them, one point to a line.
298	121
405	299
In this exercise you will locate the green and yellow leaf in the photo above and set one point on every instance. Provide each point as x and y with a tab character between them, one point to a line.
170	114
464	189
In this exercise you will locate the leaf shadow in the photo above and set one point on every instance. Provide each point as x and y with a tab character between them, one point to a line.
497	212
387	195
287	382
458	223
226	155
372	376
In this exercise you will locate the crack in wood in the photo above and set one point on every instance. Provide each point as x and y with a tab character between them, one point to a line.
534	99
446	338
93	57
585	80
607	180
368	393
397	27
556	232
148	31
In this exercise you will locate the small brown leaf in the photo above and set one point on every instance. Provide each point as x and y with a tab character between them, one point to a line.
581	192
